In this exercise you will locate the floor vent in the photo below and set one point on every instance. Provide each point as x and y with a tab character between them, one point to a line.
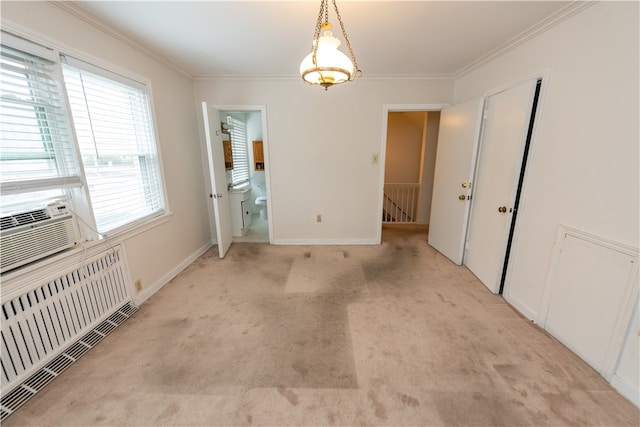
36	382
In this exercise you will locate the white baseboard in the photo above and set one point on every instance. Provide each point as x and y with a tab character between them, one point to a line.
325	242
626	389
158	284
521	308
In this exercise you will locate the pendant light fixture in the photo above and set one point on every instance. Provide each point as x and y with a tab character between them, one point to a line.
326	65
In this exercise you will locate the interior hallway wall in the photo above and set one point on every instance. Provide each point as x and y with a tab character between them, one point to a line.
320	149
584	165
428	166
405	135
157	254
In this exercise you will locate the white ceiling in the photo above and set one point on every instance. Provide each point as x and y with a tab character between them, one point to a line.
270	38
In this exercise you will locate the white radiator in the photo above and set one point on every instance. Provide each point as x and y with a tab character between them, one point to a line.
43	321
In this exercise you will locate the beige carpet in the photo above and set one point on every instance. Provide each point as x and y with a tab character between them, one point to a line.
328	335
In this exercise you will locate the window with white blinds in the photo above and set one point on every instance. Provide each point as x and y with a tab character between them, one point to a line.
37	153
240	171
110	164
112	119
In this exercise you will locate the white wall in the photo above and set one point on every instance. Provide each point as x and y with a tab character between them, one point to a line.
320	148
155	255
584	167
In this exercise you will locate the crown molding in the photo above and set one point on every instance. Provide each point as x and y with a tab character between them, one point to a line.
73	9
546	24
575	7
297	77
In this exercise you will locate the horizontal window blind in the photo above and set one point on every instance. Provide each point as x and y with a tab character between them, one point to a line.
36	149
115	134
240	171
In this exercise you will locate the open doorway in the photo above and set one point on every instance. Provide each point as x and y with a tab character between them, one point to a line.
409	147
238	187
246	175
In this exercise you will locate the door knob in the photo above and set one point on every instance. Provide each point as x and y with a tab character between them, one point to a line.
466	185
462	197
502	209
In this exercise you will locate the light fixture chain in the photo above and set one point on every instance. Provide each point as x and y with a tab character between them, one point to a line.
326	11
335	66
316	35
346	39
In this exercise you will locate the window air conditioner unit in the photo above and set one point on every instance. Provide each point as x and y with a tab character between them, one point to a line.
32	235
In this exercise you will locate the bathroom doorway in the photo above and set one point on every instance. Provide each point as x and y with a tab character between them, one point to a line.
247	172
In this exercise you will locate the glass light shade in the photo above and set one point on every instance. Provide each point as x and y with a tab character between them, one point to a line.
332	66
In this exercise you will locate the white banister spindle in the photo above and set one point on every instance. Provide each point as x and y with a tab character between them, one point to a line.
400	205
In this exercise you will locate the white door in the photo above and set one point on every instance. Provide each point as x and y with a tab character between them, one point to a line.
455	160
215	156
504	133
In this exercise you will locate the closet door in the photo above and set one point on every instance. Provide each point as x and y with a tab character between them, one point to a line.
500	160
455	159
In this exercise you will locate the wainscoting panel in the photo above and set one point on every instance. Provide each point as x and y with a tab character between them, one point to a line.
589	296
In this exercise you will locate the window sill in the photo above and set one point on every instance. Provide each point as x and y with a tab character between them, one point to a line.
131	230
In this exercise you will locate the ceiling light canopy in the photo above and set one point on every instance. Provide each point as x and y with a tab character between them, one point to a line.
326	65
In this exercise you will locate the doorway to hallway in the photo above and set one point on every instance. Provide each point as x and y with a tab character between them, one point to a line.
408	157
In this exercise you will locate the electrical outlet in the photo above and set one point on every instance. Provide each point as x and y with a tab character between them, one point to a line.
318	218
138	285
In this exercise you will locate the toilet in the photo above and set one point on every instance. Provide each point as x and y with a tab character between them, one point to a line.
261	202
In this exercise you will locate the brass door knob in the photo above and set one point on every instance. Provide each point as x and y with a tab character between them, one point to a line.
502	209
462	197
